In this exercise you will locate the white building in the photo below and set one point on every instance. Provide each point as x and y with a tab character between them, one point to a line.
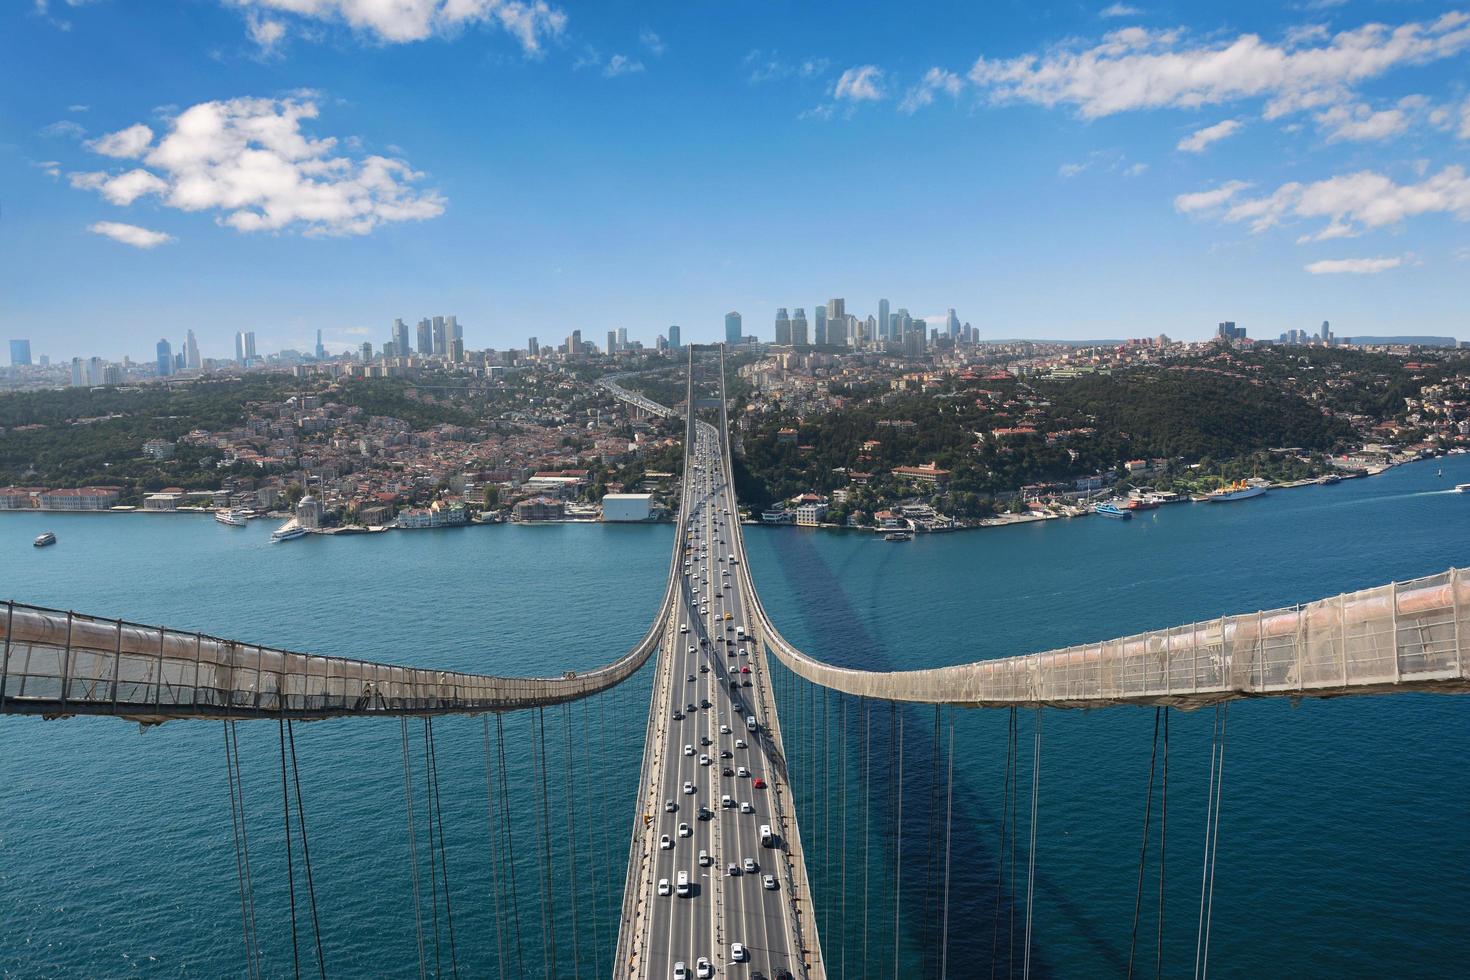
627	507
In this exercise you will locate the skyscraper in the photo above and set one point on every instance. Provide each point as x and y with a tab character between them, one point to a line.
165	358
783	327
1325	335
674	337
820	338
622	337
426	338
20	353
952	324
883	325
321	350
367	351
454	330
192	360
836	327
441	337
533	347
732	328
798	328
612	341
836	310
240	346
250	344
76	372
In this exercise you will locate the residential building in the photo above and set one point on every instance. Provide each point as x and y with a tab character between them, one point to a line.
158	449
539	509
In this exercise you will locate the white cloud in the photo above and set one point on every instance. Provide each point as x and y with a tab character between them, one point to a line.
77	108
125	143
1196	141
122	189
1135	170
1070	170
63	129
51	168
1136	68
1351	203
1208	200
130	234
863	83
651	42
266	32
765	66
1356	267
1361	123
1119	10
620	64
935	80
249	161
531	22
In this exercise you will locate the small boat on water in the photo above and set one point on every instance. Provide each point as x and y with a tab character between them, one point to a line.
1459	488
1328	480
1109	509
287	531
898	536
232	517
1235	491
44	538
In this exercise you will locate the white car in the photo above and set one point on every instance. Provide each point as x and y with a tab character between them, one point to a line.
705	860
740	744
704	760
664	888
725	800
684	830
737	952
670	806
702	968
743	772
745	807
769	883
688	787
724	729
688	749
666	843
749	865
681	972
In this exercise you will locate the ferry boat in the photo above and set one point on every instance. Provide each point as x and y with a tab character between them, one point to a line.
287	531
232	517
1328	480
1109	509
45	538
898	536
1235	491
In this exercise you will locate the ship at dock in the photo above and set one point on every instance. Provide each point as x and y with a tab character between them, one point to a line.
1240	490
287	531
1109	509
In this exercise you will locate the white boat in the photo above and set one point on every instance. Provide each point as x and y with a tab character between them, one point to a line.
1462	487
232	517
287	531
1235	491
45	538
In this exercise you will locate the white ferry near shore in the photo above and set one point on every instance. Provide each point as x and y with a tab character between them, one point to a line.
1235	491
232	517
44	539
287	531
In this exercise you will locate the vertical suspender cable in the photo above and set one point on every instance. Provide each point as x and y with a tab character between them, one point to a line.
948	842
548	914
495	878
1015	835
930	858
867	817
250	964
433	856
1215	841
1163	840
316	926
898	854
572	847
413	850
290	869
1143	844
842	847
1005	821
510	844
1209	826
826	817
597	880
245	847
1031	854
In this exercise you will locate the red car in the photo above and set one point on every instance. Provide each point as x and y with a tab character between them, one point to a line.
745	669
759	783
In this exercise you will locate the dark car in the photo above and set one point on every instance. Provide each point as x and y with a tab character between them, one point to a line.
728	771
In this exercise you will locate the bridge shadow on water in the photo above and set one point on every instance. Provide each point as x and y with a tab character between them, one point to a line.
987	892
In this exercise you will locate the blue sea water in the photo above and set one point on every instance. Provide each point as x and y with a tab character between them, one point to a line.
1342	844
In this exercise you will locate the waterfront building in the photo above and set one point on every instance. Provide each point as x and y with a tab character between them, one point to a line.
309	512
732	328
627	507
811	511
539	509
80	498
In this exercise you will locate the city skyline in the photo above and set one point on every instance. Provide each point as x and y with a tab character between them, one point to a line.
1303	165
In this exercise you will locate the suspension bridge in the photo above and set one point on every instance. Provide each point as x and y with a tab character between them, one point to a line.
717	874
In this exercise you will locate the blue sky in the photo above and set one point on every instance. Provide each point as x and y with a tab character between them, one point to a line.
1080	171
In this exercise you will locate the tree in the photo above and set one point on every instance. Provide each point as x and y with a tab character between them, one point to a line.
492	496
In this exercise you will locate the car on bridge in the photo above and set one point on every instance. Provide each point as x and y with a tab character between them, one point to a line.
664	887
688	788
737	952
670	806
759	783
665	843
768	882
